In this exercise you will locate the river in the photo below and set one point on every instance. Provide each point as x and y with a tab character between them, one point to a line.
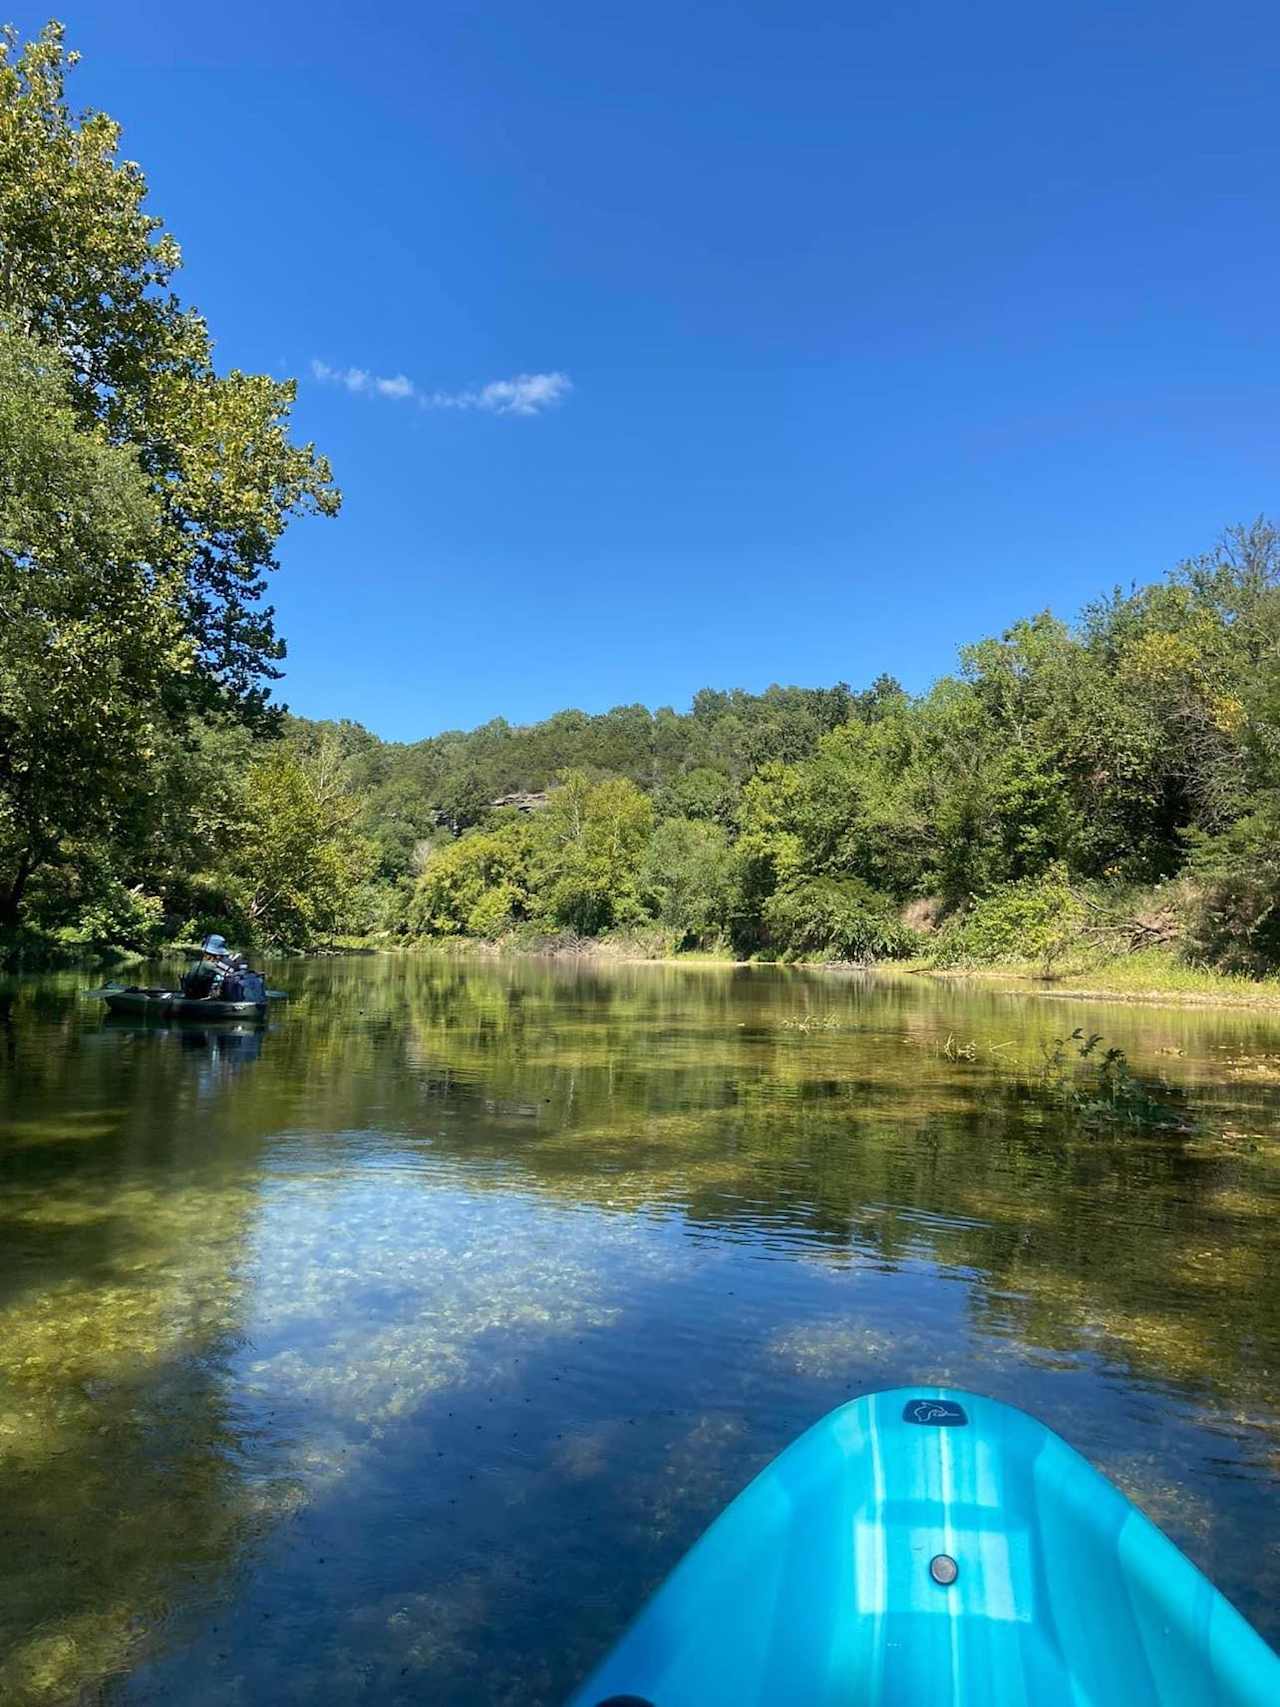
393	1353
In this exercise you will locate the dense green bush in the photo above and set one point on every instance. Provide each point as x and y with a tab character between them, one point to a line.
495	912
1037	919
838	918
1233	909
117	917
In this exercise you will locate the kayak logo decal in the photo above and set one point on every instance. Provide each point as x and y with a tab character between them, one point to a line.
934	1413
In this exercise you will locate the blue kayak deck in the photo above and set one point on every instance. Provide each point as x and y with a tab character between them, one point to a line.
826	1581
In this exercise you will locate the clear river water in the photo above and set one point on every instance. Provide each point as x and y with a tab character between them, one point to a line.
393	1353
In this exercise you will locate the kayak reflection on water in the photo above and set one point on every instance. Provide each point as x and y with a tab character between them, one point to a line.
223	1049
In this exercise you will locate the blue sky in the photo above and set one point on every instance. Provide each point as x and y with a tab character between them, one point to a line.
825	337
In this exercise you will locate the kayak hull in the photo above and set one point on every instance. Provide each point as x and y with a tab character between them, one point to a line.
927	1546
172	1004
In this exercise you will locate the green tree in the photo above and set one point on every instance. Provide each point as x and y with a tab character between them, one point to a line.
590	841
87	271
687	878
477	885
91	635
294	865
1034	918
698	793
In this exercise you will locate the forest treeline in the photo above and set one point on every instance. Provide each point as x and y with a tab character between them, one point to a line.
1111	784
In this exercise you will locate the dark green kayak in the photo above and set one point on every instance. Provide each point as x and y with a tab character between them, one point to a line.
172	1004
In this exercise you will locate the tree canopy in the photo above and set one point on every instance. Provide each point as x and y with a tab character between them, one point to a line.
142	494
87	271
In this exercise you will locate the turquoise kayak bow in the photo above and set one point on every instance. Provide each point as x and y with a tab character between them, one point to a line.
929	1548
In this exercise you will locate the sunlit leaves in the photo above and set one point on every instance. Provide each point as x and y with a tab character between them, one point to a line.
87	270
91	634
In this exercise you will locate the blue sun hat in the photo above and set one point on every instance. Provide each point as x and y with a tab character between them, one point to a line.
215	945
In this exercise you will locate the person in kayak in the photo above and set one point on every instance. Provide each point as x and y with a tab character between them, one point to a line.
208	977
223	976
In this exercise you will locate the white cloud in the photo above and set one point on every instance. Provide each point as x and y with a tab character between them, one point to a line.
526	394
523	394
354	378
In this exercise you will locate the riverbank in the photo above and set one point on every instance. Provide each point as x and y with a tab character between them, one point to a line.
1136	979
1150	977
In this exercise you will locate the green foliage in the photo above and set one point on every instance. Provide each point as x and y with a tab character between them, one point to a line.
687	879
86	272
117	917
141	497
476	884
90	634
1033	798
840	919
588	848
698	793
770	850
495	912
1034	919
292	867
1233	912
1099	1087
573	866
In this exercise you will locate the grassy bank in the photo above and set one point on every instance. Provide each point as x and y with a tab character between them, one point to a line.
1150	975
